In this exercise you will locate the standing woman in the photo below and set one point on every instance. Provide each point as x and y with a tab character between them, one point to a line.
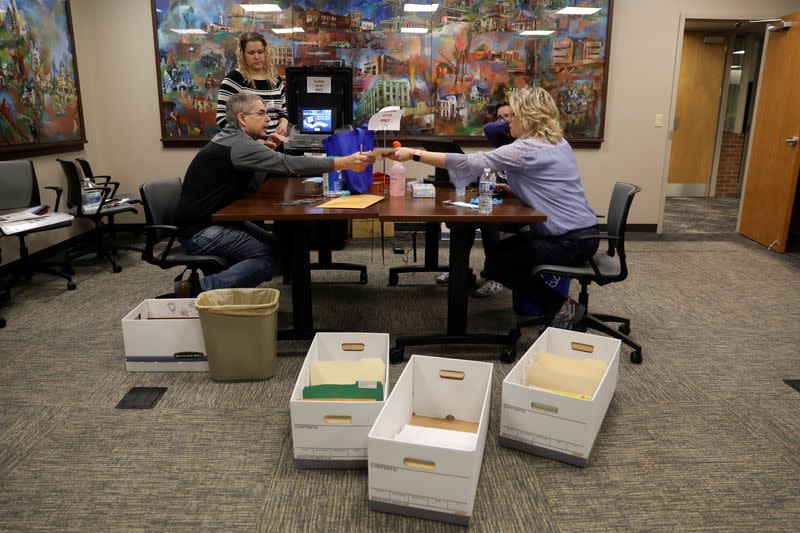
542	172
255	72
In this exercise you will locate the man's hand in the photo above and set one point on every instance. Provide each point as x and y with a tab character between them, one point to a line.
357	162
283	127
400	154
275	139
504	187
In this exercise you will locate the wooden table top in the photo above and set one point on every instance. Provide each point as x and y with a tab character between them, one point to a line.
261	206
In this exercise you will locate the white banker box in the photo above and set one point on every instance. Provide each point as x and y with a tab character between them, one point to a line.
427	480
553	425
333	434
164	335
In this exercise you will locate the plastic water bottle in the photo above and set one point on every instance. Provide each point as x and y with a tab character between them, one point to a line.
486	188
397	179
90	197
332	184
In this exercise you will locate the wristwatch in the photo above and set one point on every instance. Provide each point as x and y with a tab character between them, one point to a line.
416	156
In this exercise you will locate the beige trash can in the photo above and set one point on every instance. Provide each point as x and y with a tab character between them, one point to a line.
240	332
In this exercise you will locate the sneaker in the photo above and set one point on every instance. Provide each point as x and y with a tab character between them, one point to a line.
443	278
183	289
569	316
488	288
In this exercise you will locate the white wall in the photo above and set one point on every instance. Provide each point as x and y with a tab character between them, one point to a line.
116	63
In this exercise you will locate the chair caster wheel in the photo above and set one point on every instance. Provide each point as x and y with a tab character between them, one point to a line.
69	270
2	323
395	356
116	269
636	357
394	279
625	329
508	355
363	280
71	286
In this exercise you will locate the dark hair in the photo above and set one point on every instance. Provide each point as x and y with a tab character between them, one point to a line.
498	106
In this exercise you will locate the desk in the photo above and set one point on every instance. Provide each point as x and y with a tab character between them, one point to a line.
261	206
462	221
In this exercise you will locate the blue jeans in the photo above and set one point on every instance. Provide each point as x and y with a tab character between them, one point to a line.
512	259
252	251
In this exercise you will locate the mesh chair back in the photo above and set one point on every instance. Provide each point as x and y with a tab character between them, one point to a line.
18	185
86	168
73	183
618	209
160	200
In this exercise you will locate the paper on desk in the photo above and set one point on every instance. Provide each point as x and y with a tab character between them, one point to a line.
20	226
356	201
26	214
460	204
378	153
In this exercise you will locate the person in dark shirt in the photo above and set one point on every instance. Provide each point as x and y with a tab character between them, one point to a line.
232	164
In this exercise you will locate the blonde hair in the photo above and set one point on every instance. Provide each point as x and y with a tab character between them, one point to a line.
241	63
538	115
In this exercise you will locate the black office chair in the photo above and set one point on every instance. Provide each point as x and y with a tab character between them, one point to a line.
609	266
107	209
19	189
105	181
160	200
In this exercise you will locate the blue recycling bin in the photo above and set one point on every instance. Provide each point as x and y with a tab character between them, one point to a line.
523	306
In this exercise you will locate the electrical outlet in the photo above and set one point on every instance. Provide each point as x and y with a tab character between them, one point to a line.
398	250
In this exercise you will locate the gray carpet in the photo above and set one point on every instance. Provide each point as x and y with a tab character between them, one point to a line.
702	436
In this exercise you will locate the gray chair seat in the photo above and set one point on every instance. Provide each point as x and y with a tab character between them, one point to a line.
608	266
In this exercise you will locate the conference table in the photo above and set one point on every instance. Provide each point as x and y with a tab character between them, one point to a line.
462	221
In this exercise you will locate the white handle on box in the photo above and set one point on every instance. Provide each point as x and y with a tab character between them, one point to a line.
419	464
552	409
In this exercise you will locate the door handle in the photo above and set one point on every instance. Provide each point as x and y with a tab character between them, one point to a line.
792	140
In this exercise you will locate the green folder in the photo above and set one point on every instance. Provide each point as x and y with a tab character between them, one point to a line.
360	390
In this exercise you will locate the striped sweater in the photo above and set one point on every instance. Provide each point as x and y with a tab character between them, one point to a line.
272	92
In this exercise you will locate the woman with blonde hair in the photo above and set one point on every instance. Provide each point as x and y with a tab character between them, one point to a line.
255	72
542	171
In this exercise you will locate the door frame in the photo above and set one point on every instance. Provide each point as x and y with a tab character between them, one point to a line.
710	15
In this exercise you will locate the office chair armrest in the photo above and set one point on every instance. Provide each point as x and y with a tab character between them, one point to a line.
172	231
106	178
114	190
58	190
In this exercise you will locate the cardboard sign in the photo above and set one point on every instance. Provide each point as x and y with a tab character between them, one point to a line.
387	119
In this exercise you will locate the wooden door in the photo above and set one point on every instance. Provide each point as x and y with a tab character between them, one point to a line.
696	110
771	181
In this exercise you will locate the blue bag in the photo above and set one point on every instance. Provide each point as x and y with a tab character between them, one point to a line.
344	143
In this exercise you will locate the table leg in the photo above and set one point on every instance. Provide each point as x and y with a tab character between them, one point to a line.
302	315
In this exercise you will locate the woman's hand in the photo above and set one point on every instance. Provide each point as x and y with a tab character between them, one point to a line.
400	154
283	127
357	162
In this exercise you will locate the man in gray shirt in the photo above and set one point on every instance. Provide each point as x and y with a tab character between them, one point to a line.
232	164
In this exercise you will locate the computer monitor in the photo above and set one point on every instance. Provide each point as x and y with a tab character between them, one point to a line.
316	120
441	145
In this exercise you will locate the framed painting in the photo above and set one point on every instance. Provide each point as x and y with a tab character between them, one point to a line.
448	64
40	104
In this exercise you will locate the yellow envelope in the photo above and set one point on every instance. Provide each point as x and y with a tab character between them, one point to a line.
356	201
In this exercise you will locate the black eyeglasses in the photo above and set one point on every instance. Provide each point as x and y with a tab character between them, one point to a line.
261	113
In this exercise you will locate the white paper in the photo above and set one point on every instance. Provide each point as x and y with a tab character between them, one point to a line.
21	226
387	119
460	204
25	214
316	84
446	438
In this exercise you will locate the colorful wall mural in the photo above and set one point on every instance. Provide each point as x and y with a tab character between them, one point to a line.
40	104
447	69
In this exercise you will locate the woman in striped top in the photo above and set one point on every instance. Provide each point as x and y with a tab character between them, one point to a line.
255	72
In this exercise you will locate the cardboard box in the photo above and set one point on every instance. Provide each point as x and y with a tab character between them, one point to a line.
371	227
553	425
333	434
429	481
157	344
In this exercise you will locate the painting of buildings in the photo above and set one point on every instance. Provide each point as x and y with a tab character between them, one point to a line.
39	103
448	69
